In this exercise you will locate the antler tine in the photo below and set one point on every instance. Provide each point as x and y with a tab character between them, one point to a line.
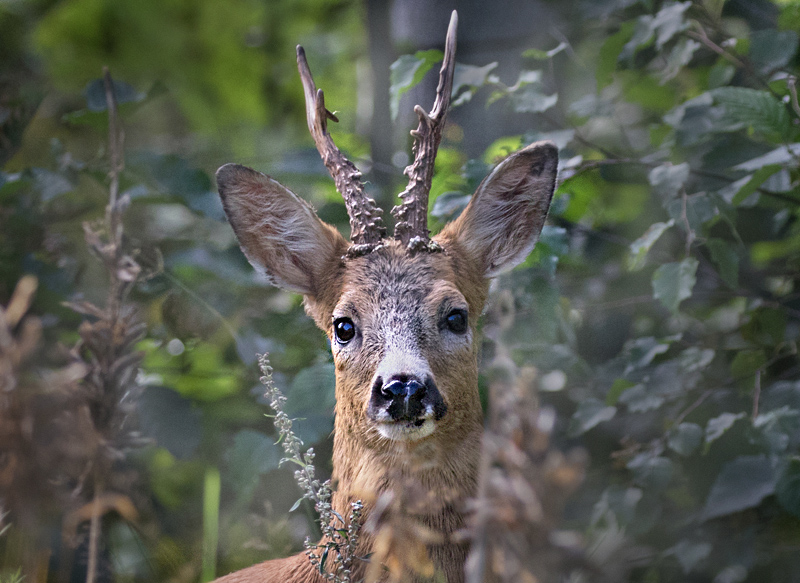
366	224
412	215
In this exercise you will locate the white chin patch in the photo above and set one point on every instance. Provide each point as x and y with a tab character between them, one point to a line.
406	430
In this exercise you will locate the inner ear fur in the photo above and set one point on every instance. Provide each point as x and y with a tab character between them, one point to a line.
505	216
279	233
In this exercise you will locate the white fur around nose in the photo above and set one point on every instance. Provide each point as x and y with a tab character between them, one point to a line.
401	356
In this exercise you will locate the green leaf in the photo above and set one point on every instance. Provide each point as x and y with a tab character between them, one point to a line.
747	362
689	553
641	37
312	390
610	53
695	358
170	419
540	55
469	77
724	254
651	471
741	484
175	176
699	209
501	148
755	181
590	413
668	180
642	351
408	71
758	110
685	438
673	282
788	487
251	455
778	427
638	399
640	247
561	138
695	120
783	155
716	427
720	74
622	502
619	387
49	184
531	99
668	22
767	327
680	56
556	238
312	398
645	90
736	573
772	49
449	205
323	559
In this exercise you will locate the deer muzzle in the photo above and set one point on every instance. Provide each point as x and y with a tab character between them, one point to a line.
405	407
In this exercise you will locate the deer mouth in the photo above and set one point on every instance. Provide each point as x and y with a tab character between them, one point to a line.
407	430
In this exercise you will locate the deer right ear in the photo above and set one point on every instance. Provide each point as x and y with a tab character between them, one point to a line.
279	233
502	222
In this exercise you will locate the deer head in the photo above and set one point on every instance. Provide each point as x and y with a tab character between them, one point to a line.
400	313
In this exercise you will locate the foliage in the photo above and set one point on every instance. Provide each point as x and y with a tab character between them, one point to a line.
685	393
660	306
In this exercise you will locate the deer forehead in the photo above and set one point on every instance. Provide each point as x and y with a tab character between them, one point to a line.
393	268
390	291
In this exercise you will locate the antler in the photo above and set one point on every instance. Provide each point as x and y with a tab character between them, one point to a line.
412	215
366	224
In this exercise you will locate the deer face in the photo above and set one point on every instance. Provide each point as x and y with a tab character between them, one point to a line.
400	327
401	322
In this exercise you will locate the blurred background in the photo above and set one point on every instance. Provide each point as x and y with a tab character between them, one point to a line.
660	309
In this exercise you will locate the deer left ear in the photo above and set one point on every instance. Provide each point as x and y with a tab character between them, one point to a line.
279	232
503	220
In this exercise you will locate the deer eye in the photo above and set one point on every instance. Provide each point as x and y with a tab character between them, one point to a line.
456	321
344	330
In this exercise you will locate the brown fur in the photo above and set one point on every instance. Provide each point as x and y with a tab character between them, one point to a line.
397	300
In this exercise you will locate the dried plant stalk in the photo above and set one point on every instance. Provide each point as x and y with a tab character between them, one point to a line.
107	342
524	483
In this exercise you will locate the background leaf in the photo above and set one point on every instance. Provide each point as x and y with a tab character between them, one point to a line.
742	483
673	282
408	71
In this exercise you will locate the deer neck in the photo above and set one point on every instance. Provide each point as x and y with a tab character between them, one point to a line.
440	472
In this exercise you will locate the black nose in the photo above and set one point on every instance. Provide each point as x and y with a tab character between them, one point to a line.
405	397
403	388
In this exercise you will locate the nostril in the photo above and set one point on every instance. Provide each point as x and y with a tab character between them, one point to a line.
415	389
403	387
393	389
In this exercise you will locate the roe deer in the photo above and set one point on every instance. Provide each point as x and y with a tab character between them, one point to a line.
400	314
